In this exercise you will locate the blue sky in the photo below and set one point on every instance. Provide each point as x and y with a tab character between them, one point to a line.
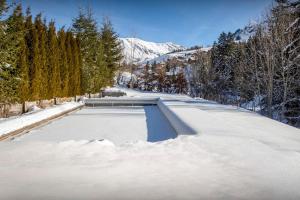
185	22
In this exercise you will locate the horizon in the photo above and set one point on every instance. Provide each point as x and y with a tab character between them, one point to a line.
186	23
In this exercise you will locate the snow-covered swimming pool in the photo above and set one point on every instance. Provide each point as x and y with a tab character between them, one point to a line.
117	124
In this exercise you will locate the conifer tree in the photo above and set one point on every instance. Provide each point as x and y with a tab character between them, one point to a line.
63	63
102	72
112	48
10	39
53	63
42	58
23	67
70	62
35	61
22	58
29	27
85	29
77	67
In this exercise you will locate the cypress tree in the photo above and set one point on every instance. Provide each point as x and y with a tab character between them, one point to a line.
36	70
42	37
63	63
29	41
22	62
77	65
53	63
70	62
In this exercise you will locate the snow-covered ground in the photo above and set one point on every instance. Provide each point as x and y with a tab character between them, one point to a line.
234	154
15	123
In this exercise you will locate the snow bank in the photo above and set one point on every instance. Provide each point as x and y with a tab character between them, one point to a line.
8	126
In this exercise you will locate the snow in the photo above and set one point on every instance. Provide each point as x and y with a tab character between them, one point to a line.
7	126
181	55
138	124
137	50
248	31
126	77
235	154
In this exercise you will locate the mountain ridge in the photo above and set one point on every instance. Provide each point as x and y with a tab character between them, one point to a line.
137	50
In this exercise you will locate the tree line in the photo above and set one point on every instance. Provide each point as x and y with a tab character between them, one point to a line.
168	77
263	70
38	62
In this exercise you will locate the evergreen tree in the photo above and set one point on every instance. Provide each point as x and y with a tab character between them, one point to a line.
93	69
102	72
22	57
70	62
63	63
224	59
53	63
112	48
42	58
77	67
29	27
10	34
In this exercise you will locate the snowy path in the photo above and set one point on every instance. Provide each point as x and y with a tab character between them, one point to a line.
236	154
10	125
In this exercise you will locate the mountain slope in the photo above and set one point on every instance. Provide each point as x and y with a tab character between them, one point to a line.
184	55
137	50
245	33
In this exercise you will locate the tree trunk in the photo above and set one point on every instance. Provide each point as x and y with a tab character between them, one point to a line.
23	107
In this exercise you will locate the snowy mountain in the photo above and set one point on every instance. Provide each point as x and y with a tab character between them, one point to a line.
246	32
137	50
183	55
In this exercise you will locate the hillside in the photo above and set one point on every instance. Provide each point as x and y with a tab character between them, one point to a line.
137	50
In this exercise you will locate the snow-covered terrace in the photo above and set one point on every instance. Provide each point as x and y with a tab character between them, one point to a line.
220	152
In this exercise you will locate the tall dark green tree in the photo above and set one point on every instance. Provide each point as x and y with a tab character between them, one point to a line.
112	48
63	63
70	62
85	29
22	57
42	58
35	60
54	83
77	65
224	59
11	36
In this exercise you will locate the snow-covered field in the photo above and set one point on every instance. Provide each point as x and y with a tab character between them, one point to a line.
235	154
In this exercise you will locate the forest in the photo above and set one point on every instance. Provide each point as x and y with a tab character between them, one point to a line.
38	62
262	72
